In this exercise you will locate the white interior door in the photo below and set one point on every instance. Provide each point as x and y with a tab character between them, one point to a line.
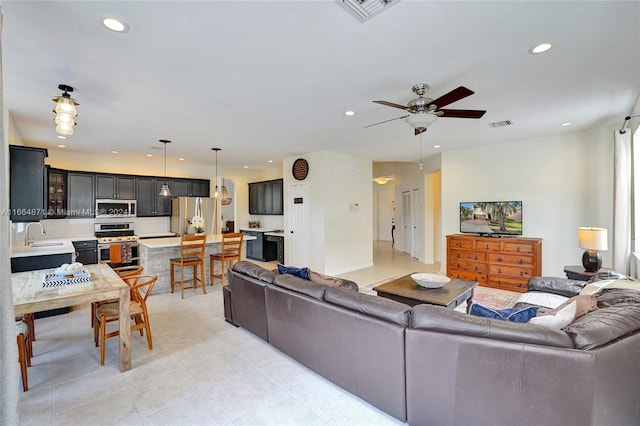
407	222
385	213
298	219
415	220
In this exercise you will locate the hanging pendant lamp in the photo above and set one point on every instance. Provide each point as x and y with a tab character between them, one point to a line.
225	197
65	111
164	191
215	193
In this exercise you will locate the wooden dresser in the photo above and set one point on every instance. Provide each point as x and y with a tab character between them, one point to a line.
506	263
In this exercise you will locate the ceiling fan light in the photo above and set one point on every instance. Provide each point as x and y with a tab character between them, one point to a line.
421	120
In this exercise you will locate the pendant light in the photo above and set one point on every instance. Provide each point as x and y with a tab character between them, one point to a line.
65	111
215	193
164	191
225	199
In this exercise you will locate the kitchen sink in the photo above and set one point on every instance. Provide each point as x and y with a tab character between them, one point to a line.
47	244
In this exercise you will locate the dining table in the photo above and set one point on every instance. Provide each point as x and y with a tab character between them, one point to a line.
43	289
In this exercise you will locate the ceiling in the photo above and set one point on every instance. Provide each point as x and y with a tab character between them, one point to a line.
265	80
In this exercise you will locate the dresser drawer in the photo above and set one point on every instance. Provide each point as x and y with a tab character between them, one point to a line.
465	265
463	243
467	255
511	271
508	283
510	259
467	275
488	244
518	247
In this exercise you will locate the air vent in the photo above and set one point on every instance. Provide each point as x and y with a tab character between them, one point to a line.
364	10
501	123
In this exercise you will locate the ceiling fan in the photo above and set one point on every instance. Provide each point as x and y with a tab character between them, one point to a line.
425	111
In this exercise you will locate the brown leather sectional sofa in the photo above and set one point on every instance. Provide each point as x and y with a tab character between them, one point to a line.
428	365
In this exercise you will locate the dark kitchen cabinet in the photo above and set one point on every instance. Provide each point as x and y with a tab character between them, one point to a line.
115	186
149	202
56	191
278	241
261	248
81	194
26	183
86	251
190	188
266	197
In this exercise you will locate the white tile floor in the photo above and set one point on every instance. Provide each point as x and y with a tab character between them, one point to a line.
201	371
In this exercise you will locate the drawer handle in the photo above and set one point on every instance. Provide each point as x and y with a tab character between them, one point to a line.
521	273
518	249
458	256
476	257
486	247
499	259
475	268
521	261
499	270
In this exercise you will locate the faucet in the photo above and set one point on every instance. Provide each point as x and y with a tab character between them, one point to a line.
27	241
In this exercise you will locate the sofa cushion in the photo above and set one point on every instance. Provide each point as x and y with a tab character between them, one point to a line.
376	306
318	278
604	325
443	320
298	272
299	285
521	314
604	274
612	296
556	285
254	271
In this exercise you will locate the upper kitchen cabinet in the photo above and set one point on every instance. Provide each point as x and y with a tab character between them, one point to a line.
81	198
56	190
115	186
149	202
26	183
266	197
190	188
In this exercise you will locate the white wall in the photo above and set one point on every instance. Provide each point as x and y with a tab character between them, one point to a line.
564	181
340	241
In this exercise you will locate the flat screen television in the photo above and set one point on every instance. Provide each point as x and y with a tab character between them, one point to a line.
494	218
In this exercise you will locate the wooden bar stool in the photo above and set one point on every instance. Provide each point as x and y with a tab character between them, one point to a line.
191	254
25	351
231	247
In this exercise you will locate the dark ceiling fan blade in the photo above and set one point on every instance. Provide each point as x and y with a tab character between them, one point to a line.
391	104
386	121
419	130
461	113
452	96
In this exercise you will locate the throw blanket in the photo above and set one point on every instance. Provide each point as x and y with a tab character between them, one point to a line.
597	286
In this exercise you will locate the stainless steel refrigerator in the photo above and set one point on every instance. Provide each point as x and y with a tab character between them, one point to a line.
184	209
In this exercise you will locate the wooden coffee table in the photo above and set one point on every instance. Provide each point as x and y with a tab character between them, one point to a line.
406	290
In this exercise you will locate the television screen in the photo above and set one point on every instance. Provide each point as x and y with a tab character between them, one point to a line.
491	217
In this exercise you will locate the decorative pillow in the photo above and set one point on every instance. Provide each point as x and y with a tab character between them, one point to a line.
509	314
298	272
561	319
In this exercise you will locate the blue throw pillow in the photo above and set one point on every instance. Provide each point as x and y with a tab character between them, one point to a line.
298	272
523	314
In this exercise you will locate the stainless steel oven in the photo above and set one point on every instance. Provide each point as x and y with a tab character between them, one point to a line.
114	235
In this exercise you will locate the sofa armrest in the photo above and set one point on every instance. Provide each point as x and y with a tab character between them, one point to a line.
556	285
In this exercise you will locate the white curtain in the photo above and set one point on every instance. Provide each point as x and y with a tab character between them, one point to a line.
622	201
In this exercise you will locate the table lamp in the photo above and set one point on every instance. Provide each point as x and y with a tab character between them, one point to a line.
592	240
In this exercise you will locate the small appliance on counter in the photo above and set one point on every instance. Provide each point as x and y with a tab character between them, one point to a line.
254	224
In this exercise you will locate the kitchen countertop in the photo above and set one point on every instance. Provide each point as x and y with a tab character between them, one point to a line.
275	234
157	235
257	229
153	243
65	246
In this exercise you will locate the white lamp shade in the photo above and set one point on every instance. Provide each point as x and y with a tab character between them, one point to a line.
590	238
421	119
64	129
66	105
65	119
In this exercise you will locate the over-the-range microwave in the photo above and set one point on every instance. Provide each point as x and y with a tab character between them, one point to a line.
115	208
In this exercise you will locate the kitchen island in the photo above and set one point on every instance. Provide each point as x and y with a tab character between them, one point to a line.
155	254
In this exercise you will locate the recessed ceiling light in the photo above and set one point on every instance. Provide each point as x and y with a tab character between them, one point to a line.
61	146
269	161
246	167
61	137
180	159
540	48
149	155
115	152
349	113
115	25
568	123
436	146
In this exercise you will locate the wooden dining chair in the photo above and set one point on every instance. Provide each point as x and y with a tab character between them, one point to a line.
141	286
231	249
122	271
191	254
25	351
